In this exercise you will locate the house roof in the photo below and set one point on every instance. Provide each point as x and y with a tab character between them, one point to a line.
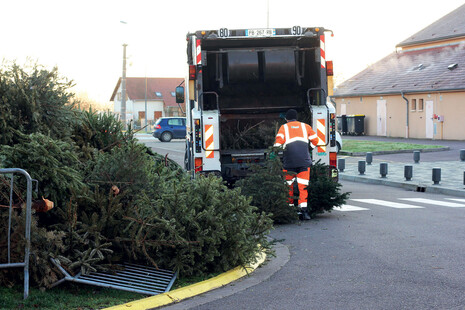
135	89
448	27
420	70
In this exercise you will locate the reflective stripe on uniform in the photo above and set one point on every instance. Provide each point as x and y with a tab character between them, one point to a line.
296	139
313	137
286	135
304	131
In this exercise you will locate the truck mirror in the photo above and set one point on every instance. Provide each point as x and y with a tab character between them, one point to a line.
180	94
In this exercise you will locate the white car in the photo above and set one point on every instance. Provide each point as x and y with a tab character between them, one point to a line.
338	141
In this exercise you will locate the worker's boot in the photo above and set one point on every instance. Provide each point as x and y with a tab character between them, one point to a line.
304	216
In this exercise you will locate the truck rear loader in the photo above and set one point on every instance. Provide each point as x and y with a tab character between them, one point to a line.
241	83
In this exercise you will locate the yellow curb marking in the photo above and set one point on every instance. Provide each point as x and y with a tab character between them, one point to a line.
192	290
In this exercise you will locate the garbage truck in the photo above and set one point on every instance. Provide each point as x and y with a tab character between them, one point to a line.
240	84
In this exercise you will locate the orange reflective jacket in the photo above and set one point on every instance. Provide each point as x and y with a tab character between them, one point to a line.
294	137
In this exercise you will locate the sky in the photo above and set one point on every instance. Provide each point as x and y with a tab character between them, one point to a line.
84	38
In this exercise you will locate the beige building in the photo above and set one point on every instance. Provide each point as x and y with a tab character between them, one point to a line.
417	91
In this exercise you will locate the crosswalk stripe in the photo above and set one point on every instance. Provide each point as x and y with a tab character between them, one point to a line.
435	202
389	204
348	208
456	199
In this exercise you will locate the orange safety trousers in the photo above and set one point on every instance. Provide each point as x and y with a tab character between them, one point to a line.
302	179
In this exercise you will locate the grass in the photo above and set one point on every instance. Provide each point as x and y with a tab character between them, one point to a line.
363	146
76	296
66	296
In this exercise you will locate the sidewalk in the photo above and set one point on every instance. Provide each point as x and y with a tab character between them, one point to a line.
452	171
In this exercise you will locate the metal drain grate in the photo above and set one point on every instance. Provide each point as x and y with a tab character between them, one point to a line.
126	277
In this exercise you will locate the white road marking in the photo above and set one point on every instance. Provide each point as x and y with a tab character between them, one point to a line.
456	199
348	208
389	204
435	202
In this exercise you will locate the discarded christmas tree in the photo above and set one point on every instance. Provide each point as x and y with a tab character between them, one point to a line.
114	199
323	192
269	191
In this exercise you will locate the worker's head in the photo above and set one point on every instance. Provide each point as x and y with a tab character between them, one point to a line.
291	115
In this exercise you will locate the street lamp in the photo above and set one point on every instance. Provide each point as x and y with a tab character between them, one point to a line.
146	124
123	85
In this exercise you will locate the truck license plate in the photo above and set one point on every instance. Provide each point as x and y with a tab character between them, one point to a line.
267	32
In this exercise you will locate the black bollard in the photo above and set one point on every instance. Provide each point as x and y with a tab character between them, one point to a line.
416	156
408	172
436	176
341	164
462	155
383	169
361	166
369	158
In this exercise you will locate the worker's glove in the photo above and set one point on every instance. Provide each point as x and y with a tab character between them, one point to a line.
272	155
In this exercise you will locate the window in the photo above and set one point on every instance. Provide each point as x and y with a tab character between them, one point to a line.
158	94
420	104
175	122
173	94
413	105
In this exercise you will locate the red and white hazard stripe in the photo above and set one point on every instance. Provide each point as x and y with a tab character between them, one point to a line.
321	133
209	143
198	52
322	51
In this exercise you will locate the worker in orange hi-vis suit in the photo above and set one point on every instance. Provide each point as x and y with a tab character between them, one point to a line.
294	137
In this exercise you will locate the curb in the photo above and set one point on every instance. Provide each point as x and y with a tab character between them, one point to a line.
408	186
192	290
395	152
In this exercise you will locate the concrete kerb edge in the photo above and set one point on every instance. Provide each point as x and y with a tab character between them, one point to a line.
194	289
434	189
395	152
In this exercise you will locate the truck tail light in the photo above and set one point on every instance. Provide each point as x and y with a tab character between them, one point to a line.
333	159
198	164
192	72
329	68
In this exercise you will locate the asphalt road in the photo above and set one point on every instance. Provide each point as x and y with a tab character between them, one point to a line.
378	257
175	148
388	252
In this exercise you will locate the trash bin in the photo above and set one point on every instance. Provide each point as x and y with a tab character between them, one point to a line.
359	124
350	125
343	124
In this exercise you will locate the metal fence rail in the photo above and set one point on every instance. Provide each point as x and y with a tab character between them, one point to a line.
126	277
25	263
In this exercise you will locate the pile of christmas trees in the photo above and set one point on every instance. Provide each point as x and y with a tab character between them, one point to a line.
114	200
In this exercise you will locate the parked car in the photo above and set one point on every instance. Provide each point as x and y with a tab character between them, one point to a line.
167	128
338	141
